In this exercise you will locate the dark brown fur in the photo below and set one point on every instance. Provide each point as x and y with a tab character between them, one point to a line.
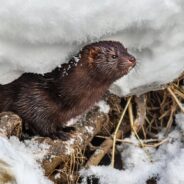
46	102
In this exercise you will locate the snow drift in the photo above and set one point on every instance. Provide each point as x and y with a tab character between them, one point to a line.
36	36
21	161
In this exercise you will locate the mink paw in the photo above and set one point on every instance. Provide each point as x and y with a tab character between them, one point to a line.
64	136
63	133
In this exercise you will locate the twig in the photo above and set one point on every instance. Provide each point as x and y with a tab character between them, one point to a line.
132	124
170	121
145	141
102	151
141	102
156	144
116	131
175	98
178	90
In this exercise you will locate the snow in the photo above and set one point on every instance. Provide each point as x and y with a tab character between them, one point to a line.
164	163
73	121
69	150
89	129
21	161
36	36
103	106
180	120
57	176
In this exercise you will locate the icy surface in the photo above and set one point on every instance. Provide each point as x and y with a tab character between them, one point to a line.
165	163
21	161
37	36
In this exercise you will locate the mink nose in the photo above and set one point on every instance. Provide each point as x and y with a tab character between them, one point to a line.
132	59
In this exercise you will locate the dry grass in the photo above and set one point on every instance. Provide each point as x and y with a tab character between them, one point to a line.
157	114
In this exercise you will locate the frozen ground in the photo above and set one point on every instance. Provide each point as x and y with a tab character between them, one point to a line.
36	36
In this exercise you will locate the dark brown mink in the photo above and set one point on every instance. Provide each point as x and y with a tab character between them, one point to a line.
46	102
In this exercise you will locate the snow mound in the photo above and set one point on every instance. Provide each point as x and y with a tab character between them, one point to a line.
22	161
36	36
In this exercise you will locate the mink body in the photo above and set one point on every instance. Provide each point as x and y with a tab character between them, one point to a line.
46	102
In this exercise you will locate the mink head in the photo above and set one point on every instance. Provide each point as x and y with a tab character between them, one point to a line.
109	59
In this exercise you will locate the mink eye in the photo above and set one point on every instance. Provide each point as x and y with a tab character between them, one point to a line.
114	56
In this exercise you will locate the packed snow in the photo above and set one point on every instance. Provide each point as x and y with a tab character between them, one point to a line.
36	36
165	163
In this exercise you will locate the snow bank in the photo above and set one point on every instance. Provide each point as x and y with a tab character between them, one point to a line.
21	161
165	163
36	36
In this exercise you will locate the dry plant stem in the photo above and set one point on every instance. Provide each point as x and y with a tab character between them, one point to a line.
146	141
102	150
131	116
164	99
132	123
164	114
178	91
170	121
141	102
175	98
116	130
157	144
141	109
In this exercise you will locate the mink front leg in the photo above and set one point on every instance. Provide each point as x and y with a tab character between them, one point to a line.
48	129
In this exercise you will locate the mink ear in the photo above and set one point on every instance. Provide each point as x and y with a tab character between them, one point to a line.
93	52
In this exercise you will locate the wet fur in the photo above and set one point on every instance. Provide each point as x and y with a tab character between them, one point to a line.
46	102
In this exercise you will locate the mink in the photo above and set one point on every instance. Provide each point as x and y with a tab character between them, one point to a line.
46	102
